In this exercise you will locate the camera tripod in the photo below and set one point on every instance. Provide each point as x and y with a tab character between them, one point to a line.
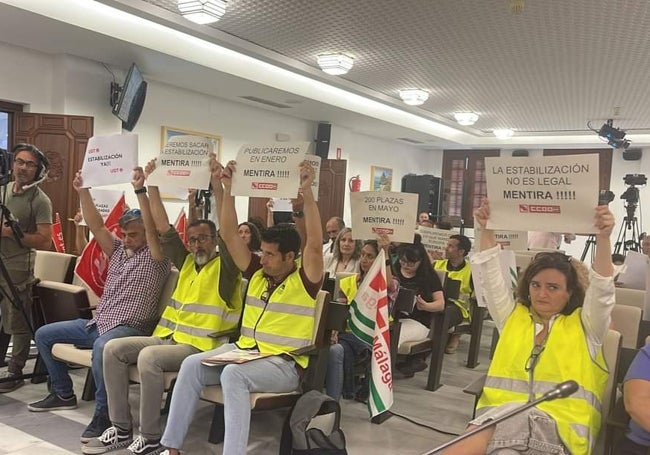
628	234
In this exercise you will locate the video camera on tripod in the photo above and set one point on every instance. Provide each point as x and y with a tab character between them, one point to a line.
631	198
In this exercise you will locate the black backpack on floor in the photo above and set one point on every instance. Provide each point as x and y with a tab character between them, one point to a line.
312	427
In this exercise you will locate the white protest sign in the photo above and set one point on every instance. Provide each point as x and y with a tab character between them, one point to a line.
315	160
383	212
110	160
269	170
434	240
282	204
636	269
509	240
558	193
183	163
104	200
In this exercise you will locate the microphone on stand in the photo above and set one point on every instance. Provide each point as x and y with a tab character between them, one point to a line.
562	390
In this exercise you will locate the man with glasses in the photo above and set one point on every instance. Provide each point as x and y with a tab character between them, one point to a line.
127	307
207	299
32	210
278	319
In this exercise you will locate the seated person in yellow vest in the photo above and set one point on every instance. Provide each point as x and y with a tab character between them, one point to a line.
458	269
552	333
346	348
278	318
414	271
207	298
137	271
346	253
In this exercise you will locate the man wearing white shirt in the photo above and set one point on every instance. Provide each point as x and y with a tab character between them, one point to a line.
332	227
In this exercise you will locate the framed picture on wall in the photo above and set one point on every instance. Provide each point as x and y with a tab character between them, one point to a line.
381	178
169	132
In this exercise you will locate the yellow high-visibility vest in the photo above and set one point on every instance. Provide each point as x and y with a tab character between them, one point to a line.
463	275
196	308
565	356
282	323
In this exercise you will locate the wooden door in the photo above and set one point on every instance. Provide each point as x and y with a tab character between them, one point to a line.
331	192
63	139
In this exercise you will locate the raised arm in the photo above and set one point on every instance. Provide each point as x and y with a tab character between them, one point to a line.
482	215
80	234
312	261
149	226
237	248
498	295
158	212
604	221
93	218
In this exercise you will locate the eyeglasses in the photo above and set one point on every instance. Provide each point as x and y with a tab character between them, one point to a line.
28	164
405	263
201	238
531	363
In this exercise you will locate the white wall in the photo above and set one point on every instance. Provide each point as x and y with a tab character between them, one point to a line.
74	86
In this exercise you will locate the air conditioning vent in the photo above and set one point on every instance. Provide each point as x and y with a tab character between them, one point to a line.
255	99
409	140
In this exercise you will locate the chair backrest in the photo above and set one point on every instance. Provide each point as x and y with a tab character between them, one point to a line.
53	266
167	290
320	318
92	297
626	320
62	301
630	297
611	351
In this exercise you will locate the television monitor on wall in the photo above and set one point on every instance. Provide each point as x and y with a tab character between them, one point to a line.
128	100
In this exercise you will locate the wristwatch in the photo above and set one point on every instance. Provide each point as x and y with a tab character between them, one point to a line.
298	213
141	190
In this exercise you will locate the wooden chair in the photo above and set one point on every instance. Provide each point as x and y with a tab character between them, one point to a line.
71	354
314	375
53	266
434	343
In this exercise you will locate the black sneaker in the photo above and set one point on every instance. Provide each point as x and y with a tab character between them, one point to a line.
9	385
112	439
144	446
96	427
53	402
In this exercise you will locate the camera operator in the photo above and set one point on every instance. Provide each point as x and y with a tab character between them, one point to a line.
27	226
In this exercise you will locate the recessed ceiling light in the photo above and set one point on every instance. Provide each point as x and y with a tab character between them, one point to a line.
335	64
504	133
466	118
413	96
202	11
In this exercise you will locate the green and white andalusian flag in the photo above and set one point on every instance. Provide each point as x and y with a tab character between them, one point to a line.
369	322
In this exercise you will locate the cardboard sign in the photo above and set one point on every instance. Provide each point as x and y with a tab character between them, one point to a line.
183	163
269	170
314	160
385	212
434	240
104	201
110	160
509	240
636	269
556	192
282	204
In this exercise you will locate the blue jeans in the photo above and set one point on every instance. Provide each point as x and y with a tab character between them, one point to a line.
340	365
75	332
271	374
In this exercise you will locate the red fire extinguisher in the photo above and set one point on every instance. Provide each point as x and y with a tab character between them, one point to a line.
354	183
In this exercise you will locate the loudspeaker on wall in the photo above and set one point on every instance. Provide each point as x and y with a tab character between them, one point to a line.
429	189
323	140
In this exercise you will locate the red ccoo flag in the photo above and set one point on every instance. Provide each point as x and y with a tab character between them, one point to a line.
57	234
92	265
181	226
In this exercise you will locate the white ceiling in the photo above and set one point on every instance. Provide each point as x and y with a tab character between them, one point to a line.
544	72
